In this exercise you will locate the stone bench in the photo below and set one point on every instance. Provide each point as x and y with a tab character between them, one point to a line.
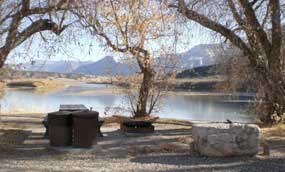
221	139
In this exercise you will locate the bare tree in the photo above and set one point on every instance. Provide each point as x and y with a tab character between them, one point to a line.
21	19
131	27
238	76
254	26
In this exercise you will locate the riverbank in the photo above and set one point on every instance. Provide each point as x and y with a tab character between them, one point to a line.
195	87
33	83
23	148
202	84
199	84
40	85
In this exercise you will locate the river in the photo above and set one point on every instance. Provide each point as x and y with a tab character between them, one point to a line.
174	105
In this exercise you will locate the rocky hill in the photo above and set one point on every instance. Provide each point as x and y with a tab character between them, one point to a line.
200	55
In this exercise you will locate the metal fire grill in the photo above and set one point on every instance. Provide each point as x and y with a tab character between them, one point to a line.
137	127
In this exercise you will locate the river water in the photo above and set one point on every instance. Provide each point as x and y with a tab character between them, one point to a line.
178	106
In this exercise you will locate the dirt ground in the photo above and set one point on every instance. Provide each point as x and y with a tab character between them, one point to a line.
23	148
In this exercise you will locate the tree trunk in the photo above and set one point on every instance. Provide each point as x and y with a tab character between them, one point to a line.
274	105
3	56
141	110
273	85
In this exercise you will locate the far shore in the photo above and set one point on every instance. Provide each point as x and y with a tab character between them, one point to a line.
189	87
44	85
199	84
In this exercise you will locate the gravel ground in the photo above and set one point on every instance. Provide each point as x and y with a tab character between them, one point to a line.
167	150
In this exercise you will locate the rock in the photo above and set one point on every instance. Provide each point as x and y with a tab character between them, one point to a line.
220	139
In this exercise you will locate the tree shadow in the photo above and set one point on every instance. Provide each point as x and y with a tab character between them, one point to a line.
118	144
272	165
196	163
20	144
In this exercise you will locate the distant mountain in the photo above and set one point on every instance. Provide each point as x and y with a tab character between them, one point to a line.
200	55
106	66
201	71
53	66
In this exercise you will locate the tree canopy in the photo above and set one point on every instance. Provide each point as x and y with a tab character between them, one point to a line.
21	19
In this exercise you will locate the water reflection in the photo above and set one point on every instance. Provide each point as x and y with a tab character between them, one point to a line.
213	108
203	108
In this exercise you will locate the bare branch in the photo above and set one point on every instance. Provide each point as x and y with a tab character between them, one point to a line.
208	23
38	26
15	16
276	27
258	31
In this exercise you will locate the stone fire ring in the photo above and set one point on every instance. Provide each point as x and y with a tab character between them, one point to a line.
223	140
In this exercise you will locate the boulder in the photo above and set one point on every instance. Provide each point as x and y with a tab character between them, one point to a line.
221	139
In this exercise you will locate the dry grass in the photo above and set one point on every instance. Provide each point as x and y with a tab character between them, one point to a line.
35	82
274	131
102	92
173	122
41	86
273	138
216	78
115	119
120	119
157	120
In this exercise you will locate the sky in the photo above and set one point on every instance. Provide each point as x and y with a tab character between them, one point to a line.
77	45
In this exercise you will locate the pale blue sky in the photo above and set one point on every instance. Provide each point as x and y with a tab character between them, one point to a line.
81	46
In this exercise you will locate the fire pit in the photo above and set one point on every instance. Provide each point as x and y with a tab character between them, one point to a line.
137	127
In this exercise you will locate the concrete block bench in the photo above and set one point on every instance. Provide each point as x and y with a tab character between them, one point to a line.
221	139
